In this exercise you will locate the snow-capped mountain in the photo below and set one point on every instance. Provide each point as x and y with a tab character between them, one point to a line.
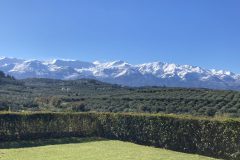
120	72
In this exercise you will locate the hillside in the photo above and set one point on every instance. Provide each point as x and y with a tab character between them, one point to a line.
123	73
91	95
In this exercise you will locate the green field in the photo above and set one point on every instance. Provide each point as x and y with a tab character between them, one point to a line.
87	149
90	95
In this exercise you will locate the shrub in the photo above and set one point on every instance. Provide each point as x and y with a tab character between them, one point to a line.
211	137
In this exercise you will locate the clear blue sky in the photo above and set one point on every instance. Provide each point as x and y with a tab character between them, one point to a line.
197	32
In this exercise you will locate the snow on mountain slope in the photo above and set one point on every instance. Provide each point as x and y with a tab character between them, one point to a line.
120	72
8	63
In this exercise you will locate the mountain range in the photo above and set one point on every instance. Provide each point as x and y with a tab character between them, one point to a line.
123	73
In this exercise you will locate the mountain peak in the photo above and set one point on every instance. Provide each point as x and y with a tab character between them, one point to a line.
120	72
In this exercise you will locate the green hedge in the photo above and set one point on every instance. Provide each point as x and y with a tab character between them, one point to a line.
40	125
216	138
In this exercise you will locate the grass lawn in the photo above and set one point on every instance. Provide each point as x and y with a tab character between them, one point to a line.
87	149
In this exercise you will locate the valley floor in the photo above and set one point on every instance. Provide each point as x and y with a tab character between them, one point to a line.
87	149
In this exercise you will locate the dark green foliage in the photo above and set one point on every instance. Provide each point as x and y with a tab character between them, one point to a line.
38	125
4	76
210	137
214	138
92	95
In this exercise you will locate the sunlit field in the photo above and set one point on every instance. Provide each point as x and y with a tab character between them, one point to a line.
88	149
